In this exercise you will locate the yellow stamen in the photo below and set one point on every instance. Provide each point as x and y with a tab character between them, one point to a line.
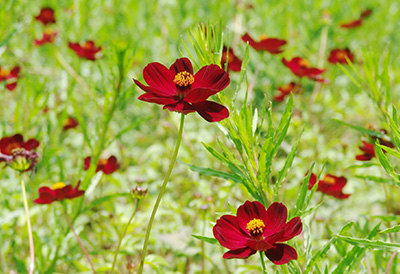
58	185
184	78
262	37
87	45
255	226
304	63
4	72
329	180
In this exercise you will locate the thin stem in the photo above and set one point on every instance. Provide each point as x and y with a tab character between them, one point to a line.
123	235
390	262
264	269
78	239
28	223
160	195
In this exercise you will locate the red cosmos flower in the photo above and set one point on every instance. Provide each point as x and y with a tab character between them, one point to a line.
71	122
340	55
179	90
58	192
330	185
234	63
48	37
273	45
108	166
10	77
46	16
369	152
352	24
18	154
257	229
301	67
87	51
286	90
366	13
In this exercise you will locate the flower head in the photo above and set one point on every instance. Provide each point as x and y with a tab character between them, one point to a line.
180	90
257	229
301	67
46	16
330	185
286	90
10	77
366	13
108	166
234	63
18	154
88	50
58	192
368	152
70	123
48	37
272	45
352	24
340	56
138	192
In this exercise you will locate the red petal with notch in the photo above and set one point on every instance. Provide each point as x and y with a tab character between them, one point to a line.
181	65
158	76
211	111
281	254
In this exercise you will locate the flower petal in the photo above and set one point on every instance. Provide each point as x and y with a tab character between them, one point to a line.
111	165
180	65
281	254
159	77
211	77
275	219
242	253
31	144
154	98
249	211
259	245
181	107
211	111
153	90
229	234
291	229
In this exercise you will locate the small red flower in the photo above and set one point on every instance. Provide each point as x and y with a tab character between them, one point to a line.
46	16
272	45
301	67
87	51
234	63
366	13
18	154
108	166
48	37
330	185
58	192
369	152
179	90
340	56
257	229
10	77
70	123
286	90
352	24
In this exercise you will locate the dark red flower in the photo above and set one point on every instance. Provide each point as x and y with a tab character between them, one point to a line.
366	13
46	16
272	45
179	90
48	37
257	229
71	122
58	192
340	56
87	51
234	63
10	77
369	152
286	90
108	166
330	185
301	67
18	154
352	24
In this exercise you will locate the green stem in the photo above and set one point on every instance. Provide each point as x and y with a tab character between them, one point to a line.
28	223
160	195
264	269
123	235
78	239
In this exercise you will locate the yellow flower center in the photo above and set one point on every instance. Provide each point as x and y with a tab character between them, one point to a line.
58	185
184	78
304	63
48	31
255	227
329	180
262	37
4	73
341	55
87	45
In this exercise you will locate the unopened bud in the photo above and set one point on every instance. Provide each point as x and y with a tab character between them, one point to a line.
138	192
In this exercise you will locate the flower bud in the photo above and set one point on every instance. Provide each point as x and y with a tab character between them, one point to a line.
138	192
